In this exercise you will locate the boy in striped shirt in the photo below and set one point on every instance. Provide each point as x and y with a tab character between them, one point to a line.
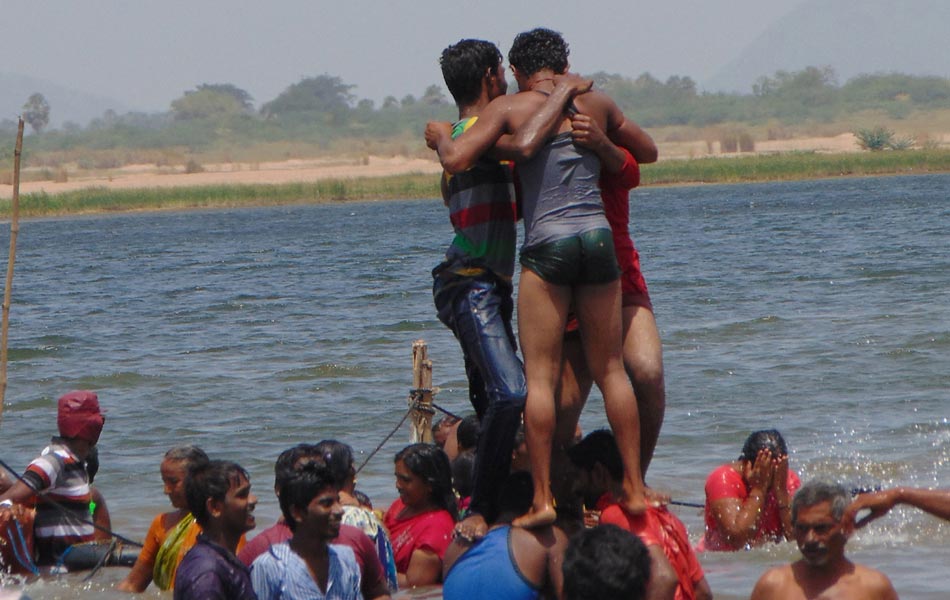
58	481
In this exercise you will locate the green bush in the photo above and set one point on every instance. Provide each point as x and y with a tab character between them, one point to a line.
875	139
882	138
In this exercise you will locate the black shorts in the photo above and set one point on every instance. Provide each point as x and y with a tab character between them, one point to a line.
584	259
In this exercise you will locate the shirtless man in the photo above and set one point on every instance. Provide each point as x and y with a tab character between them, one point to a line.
823	572
567	258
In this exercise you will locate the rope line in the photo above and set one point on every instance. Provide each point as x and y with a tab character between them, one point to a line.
385	439
446	412
102	561
689	504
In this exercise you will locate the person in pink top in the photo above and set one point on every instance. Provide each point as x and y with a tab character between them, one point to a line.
748	501
421	520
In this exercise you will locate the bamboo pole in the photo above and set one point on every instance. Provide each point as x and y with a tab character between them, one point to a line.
14	230
420	396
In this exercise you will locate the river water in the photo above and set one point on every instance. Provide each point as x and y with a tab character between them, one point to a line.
821	308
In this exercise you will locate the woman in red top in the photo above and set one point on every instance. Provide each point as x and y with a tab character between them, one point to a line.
748	501
421	520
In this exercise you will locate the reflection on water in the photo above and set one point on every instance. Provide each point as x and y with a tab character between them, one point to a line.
819	308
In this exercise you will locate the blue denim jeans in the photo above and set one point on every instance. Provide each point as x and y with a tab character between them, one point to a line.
478	311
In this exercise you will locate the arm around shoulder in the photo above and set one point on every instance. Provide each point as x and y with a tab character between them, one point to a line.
544	123
632	137
464	151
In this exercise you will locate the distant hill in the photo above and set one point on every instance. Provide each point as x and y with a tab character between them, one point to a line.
65	104
852	37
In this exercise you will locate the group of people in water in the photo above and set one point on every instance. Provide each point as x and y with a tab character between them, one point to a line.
331	543
525	508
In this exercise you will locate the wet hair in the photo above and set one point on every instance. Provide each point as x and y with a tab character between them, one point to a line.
817	491
306	483
467	432
605	562
463	472
598	447
430	463
190	454
286	464
464	66
539	49
210	481
516	494
339	458
764	439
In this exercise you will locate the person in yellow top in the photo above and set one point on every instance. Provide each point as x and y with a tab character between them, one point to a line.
171	534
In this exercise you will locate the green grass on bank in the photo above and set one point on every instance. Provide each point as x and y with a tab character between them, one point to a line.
95	200
731	169
795	165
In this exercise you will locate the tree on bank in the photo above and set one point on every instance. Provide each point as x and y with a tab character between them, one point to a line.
321	94
36	112
212	100
433	96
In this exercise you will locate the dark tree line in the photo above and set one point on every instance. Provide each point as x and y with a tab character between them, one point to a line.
325	108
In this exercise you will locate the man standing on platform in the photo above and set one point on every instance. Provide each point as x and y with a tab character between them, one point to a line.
472	287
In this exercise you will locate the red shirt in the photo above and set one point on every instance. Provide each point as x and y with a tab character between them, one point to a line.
659	527
615	193
430	531
726	482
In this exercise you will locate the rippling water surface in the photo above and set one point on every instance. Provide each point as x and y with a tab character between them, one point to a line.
820	308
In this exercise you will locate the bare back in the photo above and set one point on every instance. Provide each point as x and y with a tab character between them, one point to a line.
523	105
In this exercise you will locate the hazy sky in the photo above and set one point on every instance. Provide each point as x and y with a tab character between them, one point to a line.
146	53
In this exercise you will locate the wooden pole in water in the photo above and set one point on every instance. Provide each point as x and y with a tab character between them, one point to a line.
420	396
14	230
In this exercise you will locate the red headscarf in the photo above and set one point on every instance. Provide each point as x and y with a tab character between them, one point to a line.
79	416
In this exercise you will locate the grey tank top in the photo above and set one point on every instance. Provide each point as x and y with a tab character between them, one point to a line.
560	195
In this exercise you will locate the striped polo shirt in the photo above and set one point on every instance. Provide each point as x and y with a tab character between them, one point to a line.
484	215
61	476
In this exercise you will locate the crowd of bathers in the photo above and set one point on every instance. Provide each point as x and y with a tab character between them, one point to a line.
331	542
525	507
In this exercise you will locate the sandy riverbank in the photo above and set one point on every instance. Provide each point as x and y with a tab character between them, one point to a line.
289	171
304	170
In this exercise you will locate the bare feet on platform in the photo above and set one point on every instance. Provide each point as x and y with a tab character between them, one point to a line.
536	517
634	500
471	528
